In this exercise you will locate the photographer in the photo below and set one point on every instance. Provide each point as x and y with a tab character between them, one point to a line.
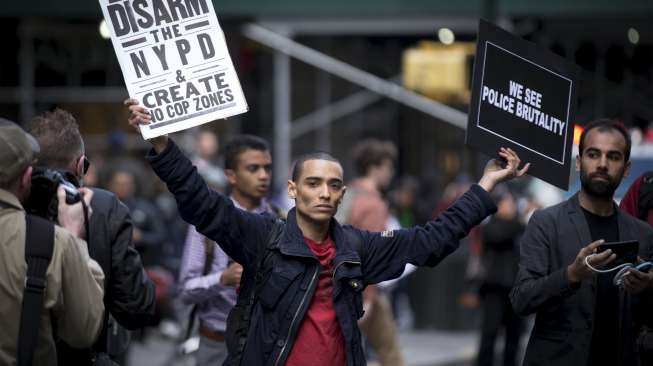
129	293
63	287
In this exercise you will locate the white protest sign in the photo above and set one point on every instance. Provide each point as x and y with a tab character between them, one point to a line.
175	62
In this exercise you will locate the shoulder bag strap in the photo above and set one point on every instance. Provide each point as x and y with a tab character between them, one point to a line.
39	245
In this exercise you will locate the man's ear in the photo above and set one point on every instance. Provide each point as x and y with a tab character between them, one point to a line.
292	189
24	185
231	176
344	191
578	163
26	178
627	169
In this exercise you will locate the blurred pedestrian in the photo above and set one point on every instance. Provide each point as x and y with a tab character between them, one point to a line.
499	258
403	201
205	156
149	237
365	208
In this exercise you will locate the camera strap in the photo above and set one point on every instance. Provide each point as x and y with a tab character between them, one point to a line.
39	244
86	222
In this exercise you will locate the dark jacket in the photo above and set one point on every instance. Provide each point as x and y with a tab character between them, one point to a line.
564	322
288	288
500	255
128	292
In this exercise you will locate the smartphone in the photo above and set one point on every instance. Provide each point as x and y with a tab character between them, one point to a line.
626	251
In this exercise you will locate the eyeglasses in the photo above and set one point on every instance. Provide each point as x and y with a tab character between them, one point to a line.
87	164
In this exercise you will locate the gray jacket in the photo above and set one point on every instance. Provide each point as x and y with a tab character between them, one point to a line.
564	315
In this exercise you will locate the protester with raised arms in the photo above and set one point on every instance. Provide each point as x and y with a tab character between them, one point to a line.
300	294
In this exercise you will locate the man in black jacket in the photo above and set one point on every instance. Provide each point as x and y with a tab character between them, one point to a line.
582	318
129	293
302	279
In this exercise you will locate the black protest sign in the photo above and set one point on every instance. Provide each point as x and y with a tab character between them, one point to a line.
523	97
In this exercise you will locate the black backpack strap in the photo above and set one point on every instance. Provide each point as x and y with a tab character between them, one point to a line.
39	244
645	196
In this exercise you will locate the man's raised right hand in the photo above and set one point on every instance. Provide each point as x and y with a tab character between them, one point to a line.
140	116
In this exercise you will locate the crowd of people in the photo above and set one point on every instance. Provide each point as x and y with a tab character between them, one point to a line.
213	254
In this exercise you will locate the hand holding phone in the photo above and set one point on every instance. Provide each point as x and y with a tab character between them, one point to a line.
626	251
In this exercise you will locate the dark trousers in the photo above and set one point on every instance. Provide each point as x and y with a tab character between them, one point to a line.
497	312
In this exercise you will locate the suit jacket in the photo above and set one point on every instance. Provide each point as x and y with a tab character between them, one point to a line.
564	315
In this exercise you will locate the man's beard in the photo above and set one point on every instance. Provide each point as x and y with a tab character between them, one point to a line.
600	188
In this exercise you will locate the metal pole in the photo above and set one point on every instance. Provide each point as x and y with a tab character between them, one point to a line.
282	108
280	43
323	92
328	114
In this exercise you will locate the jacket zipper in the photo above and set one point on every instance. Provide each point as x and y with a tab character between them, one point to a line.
299	309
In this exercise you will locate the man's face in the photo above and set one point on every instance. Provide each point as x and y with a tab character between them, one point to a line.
318	191
122	185
251	178
207	145
602	164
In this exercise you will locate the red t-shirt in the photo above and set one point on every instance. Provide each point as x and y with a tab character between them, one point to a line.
319	341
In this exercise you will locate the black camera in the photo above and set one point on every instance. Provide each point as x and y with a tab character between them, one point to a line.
43	200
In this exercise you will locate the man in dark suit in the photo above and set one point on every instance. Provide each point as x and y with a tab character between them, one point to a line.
581	317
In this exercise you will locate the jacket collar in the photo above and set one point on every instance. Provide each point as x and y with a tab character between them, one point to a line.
10	199
292	242
263	207
578	217
580	223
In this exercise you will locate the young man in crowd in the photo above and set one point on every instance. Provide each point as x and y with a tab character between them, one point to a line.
208	277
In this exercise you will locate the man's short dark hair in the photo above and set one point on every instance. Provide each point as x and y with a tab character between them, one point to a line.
238	145
372	152
58	134
603	125
298	166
